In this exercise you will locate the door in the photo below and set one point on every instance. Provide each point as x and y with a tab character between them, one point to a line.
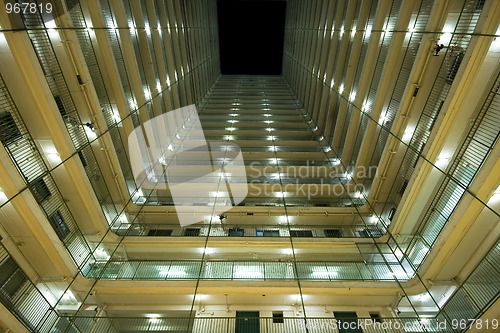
347	322
247	322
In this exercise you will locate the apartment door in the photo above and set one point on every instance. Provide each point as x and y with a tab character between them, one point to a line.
247	322
347	322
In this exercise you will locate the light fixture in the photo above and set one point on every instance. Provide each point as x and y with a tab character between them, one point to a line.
132	28
352	97
51	25
275	175
424	297
382	119
90	133
341	88
153	318
147	94
442	160
172	273
228	137
233	115
247	274
207	250
353	32
148	30
3	196
158	86
365	107
358	195
123	218
53	156
407	135
323	274
282	219
116	116
232	121
230	129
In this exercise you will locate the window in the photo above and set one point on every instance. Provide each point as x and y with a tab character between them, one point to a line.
236	232
60	106
347	317
160	232
375	316
363	233
268	233
403	188
191	232
40	190
59	226
454	67
11	278
334	233
374	231
391	213
8	128
278	317
301	233
82	158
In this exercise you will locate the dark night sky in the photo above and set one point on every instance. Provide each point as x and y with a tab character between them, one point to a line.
251	36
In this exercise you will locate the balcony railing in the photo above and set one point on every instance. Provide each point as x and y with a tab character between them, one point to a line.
246	270
234	230
248	324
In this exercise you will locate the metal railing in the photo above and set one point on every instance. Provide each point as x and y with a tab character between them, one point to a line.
20	296
24	153
239	230
437	96
469	159
246	270
239	324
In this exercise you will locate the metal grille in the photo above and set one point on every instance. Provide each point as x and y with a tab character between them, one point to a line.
31	166
468	161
